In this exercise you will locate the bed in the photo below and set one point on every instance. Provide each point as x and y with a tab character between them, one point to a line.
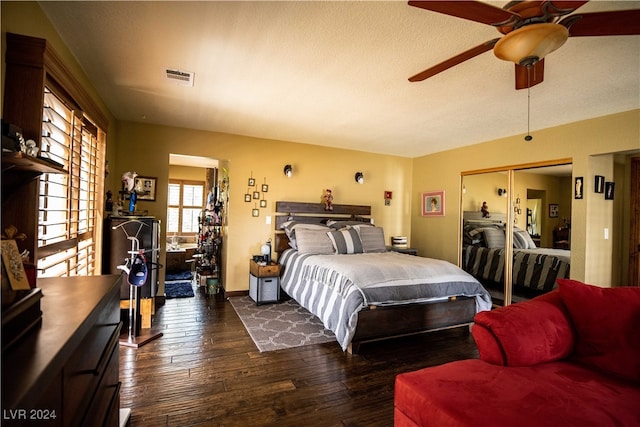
365	292
535	269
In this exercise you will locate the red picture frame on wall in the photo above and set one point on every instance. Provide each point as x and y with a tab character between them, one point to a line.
433	203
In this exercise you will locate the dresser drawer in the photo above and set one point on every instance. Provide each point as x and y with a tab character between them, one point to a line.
107	396
88	363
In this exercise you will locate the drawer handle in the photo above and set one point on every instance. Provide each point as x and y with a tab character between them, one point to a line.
114	399
104	358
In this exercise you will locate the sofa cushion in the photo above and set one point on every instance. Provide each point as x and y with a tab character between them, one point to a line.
606	322
475	393
526	333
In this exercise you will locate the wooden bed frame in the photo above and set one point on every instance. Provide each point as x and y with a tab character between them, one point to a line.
374	322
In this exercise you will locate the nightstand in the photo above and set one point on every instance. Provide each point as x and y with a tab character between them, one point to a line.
409	251
264	282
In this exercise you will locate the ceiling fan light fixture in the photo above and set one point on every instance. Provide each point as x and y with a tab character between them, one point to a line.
527	45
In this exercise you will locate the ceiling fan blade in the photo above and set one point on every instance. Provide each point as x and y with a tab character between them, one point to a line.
613	23
529	76
559	8
471	10
451	62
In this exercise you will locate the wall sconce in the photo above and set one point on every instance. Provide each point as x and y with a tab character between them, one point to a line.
502	192
359	177
288	171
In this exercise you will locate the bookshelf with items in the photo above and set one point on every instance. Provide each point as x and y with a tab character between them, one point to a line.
208	254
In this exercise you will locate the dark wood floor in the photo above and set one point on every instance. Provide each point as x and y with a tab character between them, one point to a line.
206	371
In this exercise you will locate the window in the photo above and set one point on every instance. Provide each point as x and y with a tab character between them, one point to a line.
184	206
67	208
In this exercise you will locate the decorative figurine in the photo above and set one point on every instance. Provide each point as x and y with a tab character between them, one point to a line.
328	200
485	210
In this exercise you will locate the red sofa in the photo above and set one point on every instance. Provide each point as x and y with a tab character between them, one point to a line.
568	358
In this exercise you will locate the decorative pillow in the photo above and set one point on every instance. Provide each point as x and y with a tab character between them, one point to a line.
314	242
494	237
372	238
521	240
530	243
606	321
346	241
525	334
290	228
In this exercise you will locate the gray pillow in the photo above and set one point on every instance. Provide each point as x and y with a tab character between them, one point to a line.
313	242
494	238
372	239
346	241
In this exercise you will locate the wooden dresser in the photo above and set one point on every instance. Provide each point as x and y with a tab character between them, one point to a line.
67	372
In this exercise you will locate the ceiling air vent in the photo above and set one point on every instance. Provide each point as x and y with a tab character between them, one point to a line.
184	78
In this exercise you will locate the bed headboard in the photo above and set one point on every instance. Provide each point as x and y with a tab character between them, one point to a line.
476	217
286	211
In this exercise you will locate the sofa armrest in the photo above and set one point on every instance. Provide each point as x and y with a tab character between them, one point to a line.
526	333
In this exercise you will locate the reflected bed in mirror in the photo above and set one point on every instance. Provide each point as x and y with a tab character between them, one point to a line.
535	269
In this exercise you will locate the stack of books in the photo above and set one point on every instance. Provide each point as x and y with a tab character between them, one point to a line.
399	241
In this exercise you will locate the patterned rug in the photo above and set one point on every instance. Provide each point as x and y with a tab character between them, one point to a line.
178	290
280	326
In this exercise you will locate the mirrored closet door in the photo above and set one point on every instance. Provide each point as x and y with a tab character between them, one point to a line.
516	228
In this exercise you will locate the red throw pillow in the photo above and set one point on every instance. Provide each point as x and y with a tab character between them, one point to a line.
606	322
527	333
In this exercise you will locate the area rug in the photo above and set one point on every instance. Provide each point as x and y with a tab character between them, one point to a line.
178	290
178	275
279	326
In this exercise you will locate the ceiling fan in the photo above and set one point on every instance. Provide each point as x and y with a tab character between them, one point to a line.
532	29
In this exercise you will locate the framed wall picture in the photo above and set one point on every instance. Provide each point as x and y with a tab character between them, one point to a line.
265	188
256	195
263	203
553	210
579	188
146	187
609	190
599	184
247	197
255	212
252	182
433	203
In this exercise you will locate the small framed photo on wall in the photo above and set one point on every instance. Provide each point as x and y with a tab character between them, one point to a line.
553	210
599	184
579	188
609	189
433	203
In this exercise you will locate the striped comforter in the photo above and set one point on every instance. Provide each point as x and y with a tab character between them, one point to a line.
336	287
536	269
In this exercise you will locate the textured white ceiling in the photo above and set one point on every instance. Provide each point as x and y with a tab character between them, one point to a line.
335	73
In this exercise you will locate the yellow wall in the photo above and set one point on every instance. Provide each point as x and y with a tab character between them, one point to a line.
146	148
438	236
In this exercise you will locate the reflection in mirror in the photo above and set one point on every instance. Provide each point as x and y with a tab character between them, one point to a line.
538	204
485	202
537	258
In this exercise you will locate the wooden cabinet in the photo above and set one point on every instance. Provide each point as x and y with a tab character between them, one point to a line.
67	372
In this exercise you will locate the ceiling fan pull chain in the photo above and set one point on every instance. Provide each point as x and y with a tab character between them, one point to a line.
528	137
